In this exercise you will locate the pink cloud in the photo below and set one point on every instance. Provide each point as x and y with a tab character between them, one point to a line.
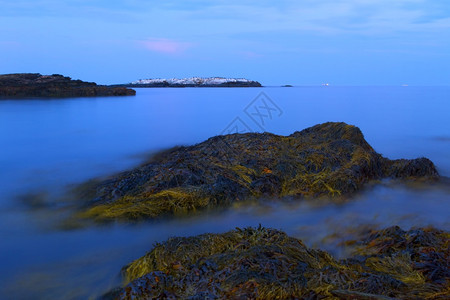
251	54
165	46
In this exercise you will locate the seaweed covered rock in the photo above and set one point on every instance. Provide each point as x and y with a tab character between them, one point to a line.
260	263
37	85
331	159
427	249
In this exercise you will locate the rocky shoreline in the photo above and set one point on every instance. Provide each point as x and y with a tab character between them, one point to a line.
327	160
54	86
262	263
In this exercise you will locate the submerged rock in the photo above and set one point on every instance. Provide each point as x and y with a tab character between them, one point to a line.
37	85
260	263
331	159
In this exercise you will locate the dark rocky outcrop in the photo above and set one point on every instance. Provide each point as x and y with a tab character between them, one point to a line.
331	159
37	85
260	263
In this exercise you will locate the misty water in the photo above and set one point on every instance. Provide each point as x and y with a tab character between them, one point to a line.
48	146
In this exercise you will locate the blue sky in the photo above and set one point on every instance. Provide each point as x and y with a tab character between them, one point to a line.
303	42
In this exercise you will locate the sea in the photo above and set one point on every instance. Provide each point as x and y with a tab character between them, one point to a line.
50	146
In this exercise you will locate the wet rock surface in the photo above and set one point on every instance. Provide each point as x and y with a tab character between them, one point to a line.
261	263
330	159
37	85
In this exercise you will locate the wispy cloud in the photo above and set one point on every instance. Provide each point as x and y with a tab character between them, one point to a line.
369	17
165	46
250	54
225	17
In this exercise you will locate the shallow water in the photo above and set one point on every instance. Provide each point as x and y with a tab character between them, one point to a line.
47	145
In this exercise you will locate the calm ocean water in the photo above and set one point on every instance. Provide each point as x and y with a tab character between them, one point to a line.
48	145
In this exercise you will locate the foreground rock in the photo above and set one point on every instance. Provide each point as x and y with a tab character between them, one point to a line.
267	264
331	159
37	85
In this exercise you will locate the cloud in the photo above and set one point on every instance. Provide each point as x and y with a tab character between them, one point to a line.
250	54
165	46
330	17
228	17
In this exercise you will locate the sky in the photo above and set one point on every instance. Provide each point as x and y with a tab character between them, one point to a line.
303	42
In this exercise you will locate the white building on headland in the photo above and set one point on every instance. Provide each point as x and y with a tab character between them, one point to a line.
193	80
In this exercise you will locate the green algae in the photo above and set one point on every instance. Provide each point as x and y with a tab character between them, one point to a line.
327	160
262	263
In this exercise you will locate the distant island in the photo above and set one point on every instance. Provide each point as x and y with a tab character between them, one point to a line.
37	85
194	82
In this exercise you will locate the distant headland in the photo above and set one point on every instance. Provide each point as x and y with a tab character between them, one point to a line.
37	85
194	82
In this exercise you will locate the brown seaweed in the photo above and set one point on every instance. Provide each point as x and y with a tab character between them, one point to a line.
262	263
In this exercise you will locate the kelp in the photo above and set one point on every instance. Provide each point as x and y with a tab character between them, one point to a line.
330	159
263	263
